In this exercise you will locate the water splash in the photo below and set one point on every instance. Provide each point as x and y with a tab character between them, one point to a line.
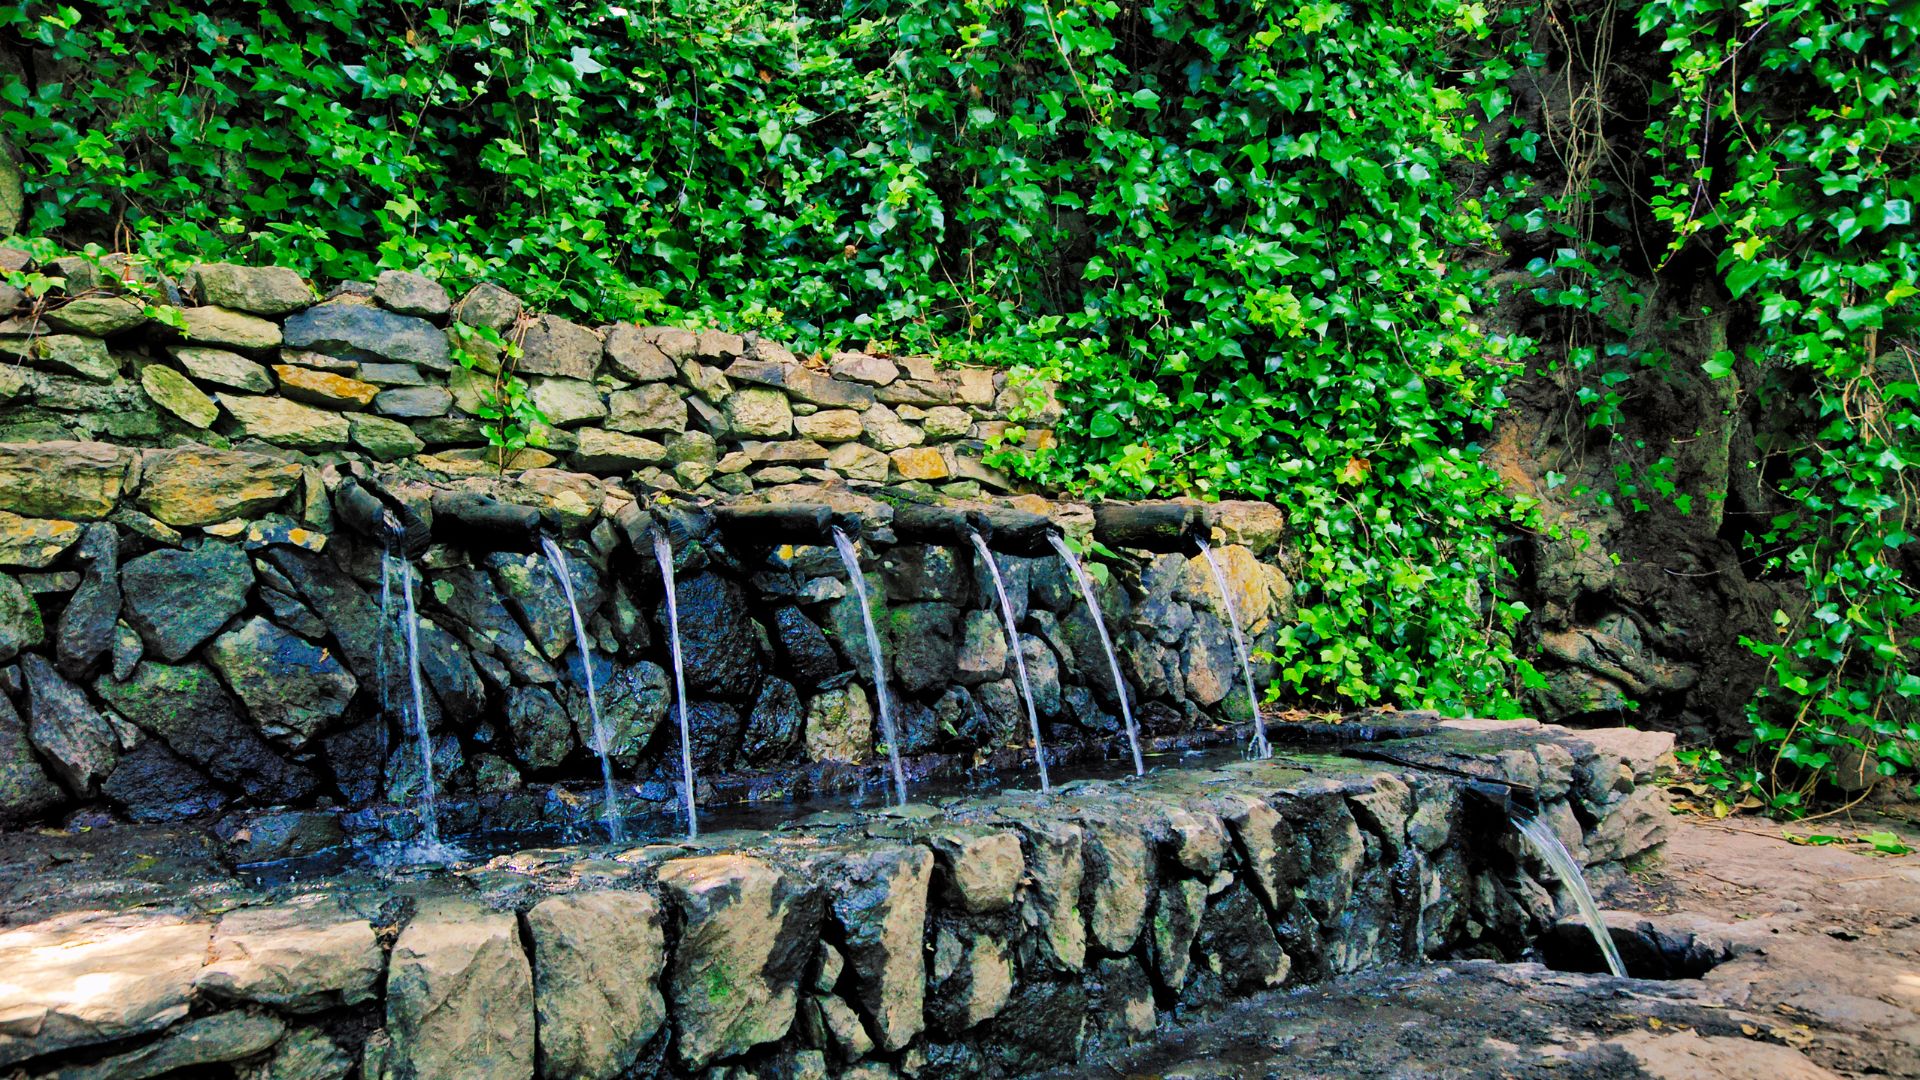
557	562
429	802
1019	658
1261	748
1546	844
1106	642
663	554
851	559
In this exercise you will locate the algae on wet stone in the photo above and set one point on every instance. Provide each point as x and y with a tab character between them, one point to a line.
186	706
177	599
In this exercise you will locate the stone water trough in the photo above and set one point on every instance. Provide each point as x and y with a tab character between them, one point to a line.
985	935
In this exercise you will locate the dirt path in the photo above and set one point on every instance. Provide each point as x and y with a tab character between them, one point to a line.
1818	976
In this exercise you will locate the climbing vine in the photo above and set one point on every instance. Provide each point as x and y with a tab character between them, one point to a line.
1253	242
1791	152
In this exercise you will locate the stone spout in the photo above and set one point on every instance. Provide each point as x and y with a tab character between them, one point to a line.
376	514
778	523
1158	527
474	521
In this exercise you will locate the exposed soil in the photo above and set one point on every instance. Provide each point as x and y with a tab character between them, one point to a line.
1818	975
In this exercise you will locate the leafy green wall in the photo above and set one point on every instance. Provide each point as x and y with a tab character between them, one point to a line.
1256	242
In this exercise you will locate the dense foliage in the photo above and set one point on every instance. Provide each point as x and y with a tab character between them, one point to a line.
1225	227
1792	155
1248	238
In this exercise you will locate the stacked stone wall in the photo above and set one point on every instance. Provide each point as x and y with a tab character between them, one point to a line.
187	628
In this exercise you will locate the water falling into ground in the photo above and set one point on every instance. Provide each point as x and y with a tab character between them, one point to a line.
1551	851
1261	748
1019	658
663	554
1106	642
557	562
429	807
851	560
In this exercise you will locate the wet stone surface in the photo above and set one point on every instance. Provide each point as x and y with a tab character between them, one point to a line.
993	933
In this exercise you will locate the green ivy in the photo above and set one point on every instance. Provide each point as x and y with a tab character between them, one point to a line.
1786	150
1233	230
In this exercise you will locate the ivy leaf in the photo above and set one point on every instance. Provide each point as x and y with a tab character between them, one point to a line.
583	62
1104	425
1719	365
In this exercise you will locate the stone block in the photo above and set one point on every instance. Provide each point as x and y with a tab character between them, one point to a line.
460	1002
324	388
286	423
272	291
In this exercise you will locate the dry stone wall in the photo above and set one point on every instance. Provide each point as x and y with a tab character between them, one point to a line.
189	630
259	361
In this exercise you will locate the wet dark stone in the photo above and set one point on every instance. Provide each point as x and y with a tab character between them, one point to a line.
403	773
85	633
1051	585
1077	705
1040	1027
1120	996
448	672
1083	639
27	793
528	584
1015	573
21	626
717	641
78	744
151	783
919	728
917	572
356	755
716	736
541	729
185	705
775	724
178	599
253	837
957	712
807	654
924	645
1043	675
480	612
1156	718
352	616
634	702
293	614
1000	716
292	688
1236	951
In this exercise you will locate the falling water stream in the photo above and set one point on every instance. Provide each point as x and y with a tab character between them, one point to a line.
1541	838
851	559
663	554
380	646
557	562
429	805
1106	642
1019	658
1261	747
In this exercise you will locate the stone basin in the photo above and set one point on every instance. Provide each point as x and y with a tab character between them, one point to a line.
994	933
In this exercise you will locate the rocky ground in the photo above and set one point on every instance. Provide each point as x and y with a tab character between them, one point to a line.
1818	976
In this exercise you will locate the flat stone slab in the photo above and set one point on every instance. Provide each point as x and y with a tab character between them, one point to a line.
90	978
304	956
